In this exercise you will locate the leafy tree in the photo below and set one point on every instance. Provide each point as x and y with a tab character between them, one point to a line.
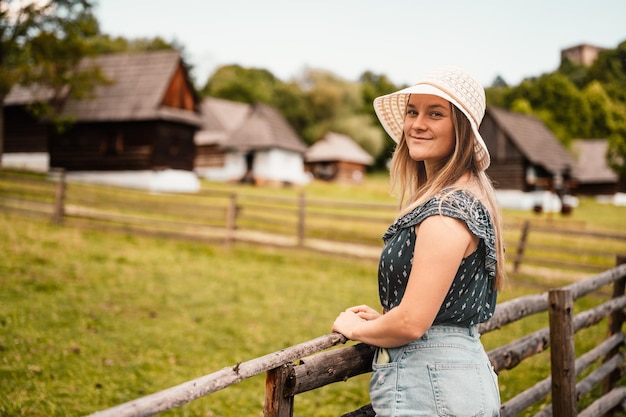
104	44
616	153
576	73
603	110
372	86
341	106
41	44
236	83
251	85
610	70
288	98
558	103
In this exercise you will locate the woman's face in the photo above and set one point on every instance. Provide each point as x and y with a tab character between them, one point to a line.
429	129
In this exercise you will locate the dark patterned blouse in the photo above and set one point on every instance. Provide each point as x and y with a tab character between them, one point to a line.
472	295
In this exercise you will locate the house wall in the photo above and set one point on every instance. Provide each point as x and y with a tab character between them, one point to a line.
233	169
179	94
25	143
279	166
596	189
351	172
23	133
507	176
173	146
508	166
28	161
209	156
581	54
124	146
340	171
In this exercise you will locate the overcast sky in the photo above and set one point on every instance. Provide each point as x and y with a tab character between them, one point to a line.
399	38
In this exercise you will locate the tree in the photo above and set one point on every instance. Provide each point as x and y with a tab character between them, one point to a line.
236	83
558	103
41	44
372	86
340	106
610	70
252	85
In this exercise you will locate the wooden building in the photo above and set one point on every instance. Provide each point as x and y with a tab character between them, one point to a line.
144	119
255	145
592	172
220	118
337	157
25	136
583	54
525	154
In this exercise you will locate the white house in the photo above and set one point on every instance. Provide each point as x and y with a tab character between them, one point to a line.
248	143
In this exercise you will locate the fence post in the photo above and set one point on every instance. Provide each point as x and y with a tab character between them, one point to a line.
277	404
231	219
301	218
59	198
562	354
521	245
616	320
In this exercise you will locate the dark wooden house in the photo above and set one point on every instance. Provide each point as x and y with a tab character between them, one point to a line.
525	154
144	119
25	137
337	157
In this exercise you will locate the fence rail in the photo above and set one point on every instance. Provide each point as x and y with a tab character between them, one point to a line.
343	227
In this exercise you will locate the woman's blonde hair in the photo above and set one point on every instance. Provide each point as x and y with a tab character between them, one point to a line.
409	178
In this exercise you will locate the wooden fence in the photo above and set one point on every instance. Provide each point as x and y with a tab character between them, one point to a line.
565	248
312	365
342	227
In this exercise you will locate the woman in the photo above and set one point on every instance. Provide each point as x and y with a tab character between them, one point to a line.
443	259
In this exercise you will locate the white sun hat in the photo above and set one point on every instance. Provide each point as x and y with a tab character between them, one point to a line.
450	83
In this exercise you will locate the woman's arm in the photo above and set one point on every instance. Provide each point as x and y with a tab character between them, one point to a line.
441	243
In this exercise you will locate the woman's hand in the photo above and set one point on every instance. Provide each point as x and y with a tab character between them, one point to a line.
348	320
365	312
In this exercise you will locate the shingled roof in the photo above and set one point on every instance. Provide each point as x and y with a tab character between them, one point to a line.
337	147
264	128
219	119
20	95
591	164
533	139
139	82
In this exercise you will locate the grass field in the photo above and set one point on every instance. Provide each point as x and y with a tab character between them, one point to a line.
91	319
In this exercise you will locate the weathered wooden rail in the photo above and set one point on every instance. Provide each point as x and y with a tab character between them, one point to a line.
564	254
312	365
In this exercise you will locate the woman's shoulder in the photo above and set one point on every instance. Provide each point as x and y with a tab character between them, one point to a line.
459	203
465	204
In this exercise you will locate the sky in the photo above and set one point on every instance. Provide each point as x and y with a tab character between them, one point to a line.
402	39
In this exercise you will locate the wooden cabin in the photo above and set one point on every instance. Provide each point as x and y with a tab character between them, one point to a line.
592	172
337	157
525	154
256	145
25	136
219	119
144	119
